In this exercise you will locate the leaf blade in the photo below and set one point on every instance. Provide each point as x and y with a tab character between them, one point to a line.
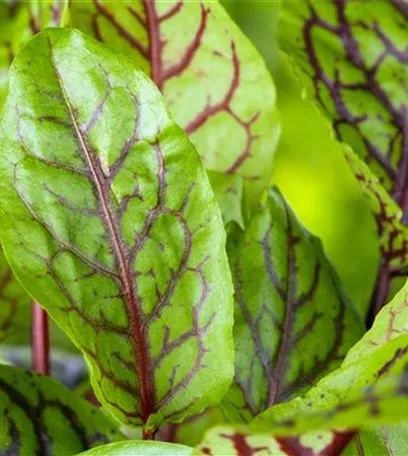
129	241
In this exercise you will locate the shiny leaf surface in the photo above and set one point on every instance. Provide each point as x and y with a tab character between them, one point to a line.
140	448
108	219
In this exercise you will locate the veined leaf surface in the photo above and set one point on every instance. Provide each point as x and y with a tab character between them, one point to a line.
370	388
211	76
41	417
384	440
14	304
353	60
19	21
108	219
293	322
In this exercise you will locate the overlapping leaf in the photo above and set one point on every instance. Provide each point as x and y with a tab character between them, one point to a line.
354	60
108	219
211	76
19	21
39	416
384	440
140	448
371	387
14	304
293	323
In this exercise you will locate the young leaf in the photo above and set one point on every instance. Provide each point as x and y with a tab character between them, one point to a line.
215	83
140	448
385	440
39	416
371	387
14	304
108	219
293	323
19	21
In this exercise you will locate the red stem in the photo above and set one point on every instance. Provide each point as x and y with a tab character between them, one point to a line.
40	347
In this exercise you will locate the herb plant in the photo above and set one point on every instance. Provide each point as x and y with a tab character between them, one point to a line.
138	211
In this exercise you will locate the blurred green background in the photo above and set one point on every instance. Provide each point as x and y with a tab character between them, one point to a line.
309	166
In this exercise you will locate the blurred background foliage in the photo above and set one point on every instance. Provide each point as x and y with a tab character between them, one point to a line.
309	166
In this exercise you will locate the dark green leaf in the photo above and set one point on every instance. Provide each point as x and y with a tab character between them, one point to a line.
108	219
140	448
41	417
214	81
293	322
371	387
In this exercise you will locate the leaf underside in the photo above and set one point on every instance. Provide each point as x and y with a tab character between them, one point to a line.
293	323
41	417
196	55
110	222
353	60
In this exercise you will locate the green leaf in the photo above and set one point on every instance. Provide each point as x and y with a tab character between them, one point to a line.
385	440
140	448
14	304
371	387
108	219
353	60
39	416
19	21
229	191
293	323
215	82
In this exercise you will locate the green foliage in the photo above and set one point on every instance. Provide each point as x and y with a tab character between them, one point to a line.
198	58
39	416
116	224
140	448
286	334
111	239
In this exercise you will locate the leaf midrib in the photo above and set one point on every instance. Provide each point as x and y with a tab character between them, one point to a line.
141	361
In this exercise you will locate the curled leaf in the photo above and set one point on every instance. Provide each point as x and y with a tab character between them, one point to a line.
40	417
108	219
293	323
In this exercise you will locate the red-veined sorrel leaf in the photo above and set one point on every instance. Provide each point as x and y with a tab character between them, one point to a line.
19	21
236	441
293	323
39	416
370	387
214	81
108	219
14	304
140	448
353	59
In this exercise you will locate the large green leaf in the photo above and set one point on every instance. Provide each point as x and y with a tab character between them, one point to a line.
39	416
385	440
293	323
14	304
371	387
108	219
19	21
353	60
140	448
214	81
